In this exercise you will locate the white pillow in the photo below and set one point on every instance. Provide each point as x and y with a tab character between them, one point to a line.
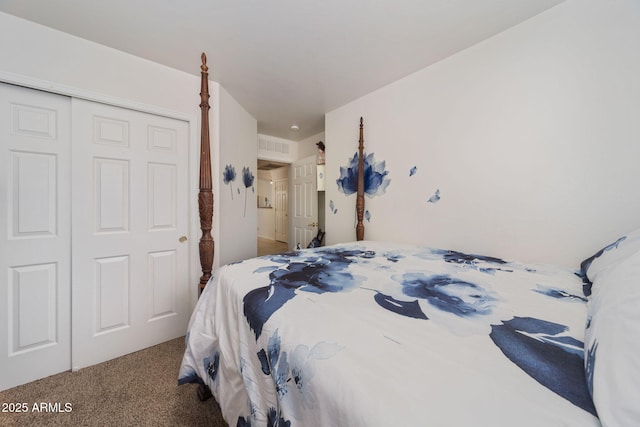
611	254
612	340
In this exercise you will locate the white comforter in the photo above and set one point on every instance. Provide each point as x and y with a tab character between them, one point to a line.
379	334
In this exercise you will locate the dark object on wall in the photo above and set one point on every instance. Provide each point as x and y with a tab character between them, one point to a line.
320	156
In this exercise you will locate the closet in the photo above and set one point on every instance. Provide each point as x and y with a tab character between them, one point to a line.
94	218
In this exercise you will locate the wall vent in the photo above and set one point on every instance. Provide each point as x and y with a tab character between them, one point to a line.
273	148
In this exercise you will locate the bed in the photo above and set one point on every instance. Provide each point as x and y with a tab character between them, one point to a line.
373	333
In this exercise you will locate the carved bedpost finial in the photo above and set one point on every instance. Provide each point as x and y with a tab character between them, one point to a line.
360	192
204	67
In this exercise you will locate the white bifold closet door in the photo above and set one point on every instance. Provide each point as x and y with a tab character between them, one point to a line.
93	225
130	222
35	235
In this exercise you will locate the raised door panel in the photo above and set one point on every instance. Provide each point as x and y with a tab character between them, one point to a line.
162	197
32	187
33	309
112	294
111	195
35	230
163	269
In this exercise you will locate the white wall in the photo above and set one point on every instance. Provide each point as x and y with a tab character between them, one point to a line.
307	146
237	217
532	137
38	52
280	173
37	56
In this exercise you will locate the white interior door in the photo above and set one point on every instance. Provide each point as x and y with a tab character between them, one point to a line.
130	219
304	217
35	235
282	210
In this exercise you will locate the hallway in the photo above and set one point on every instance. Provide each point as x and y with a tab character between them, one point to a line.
270	247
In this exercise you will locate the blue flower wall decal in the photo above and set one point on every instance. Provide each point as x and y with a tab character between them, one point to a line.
375	176
247	180
247	177
435	198
228	176
332	207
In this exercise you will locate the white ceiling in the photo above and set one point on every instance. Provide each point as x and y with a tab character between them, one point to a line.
286	61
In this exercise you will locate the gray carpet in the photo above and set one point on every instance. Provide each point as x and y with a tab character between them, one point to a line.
139	389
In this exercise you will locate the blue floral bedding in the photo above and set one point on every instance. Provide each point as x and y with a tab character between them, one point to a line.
380	334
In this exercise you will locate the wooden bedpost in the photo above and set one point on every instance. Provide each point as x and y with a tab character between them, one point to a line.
205	196
360	193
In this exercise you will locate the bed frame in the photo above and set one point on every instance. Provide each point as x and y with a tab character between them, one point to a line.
205	195
360	191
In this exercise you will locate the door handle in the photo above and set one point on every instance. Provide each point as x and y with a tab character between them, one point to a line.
313	224
182	239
